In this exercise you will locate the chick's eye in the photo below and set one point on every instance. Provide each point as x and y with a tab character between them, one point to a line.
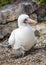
25	20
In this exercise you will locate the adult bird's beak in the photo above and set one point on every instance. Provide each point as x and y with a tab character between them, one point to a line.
30	21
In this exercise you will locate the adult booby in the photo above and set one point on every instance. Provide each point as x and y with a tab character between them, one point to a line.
22	39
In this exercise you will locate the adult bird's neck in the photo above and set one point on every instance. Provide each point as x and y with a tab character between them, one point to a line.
23	26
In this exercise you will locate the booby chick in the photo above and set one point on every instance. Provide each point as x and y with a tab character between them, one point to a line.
23	38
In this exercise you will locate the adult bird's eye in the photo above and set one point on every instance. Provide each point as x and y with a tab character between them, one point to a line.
25	20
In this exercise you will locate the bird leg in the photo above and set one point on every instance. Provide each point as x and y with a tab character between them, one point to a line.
18	52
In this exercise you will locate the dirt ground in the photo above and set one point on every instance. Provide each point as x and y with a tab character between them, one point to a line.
36	57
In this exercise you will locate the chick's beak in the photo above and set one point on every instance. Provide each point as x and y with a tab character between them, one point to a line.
30	21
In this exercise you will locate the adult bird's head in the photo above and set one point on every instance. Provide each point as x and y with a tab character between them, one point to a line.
24	20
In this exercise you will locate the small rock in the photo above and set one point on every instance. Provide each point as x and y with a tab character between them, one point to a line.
37	33
44	41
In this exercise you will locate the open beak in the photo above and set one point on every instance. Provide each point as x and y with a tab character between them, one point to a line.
30	21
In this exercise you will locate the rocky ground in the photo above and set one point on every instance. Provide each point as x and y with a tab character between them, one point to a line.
34	57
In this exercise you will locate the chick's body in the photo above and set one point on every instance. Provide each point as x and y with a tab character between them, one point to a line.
23	38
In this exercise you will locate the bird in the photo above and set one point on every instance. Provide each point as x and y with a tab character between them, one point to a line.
23	38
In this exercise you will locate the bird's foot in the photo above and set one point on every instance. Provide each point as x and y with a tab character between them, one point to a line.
18	53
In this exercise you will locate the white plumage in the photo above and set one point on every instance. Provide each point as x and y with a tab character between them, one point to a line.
22	37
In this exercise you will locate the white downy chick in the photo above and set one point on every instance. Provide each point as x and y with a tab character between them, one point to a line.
23	38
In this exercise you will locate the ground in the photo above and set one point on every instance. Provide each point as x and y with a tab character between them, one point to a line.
36	57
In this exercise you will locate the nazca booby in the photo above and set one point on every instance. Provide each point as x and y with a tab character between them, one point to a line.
22	39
